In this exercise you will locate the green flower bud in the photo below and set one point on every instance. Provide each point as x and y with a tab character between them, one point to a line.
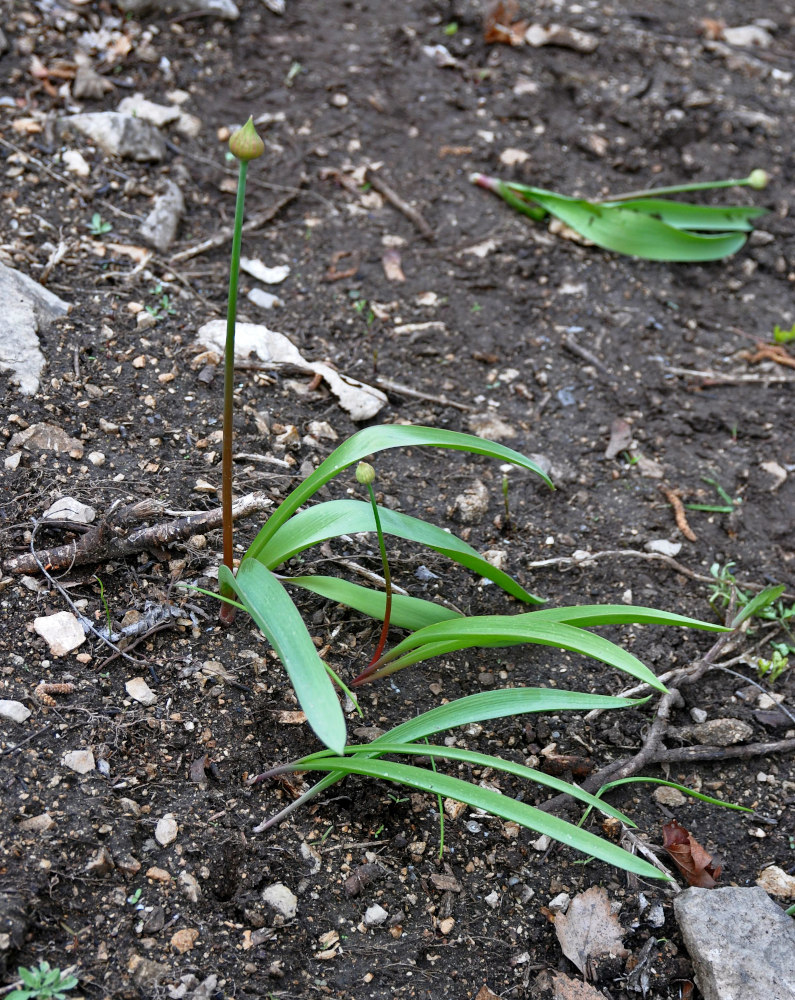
245	143
365	474
758	179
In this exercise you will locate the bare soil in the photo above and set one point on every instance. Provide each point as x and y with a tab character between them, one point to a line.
501	327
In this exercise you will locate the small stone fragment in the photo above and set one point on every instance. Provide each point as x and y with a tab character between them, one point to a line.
776	882
190	886
62	632
145	971
75	163
80	761
375	915
471	506
96	458
161	224
446	926
668	796
128	865
89	83
281	899
263	299
663	546
493	899
138	689
184	940
13	710
166	830
101	864
158	874
37	824
560	903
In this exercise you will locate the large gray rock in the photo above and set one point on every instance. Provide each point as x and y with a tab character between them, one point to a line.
27	307
118	134
742	944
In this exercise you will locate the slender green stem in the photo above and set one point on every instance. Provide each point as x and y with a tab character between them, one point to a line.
229	387
387	580
675	189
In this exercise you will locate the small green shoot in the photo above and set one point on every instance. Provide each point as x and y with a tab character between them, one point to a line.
783	336
451	29
163	307
295	69
97	227
105	605
43	983
641	223
727	507
773	668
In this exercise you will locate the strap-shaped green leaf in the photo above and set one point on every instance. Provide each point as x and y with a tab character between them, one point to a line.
681	215
380	438
595	615
492	802
497	764
340	517
510	630
407	612
272	609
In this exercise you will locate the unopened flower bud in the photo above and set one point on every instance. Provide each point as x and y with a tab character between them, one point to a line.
365	474
245	143
758	179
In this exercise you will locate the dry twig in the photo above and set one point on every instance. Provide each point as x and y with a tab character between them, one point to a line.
411	213
116	536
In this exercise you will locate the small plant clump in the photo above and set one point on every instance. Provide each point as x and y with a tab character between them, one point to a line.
97	227
42	983
433	629
642	223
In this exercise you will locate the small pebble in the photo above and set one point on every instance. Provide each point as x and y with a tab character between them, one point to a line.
13	710
80	761
375	915
166	830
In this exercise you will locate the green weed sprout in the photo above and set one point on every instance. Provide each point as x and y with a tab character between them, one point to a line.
97	227
642	223
43	983
246	145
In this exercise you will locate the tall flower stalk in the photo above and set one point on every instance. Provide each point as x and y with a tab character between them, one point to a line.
246	145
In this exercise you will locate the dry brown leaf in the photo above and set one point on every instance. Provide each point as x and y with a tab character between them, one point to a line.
500	24
484	993
689	856
567	988
589	930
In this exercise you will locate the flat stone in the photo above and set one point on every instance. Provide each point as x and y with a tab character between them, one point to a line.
160	227
281	899
47	437
145	971
27	308
69	509
720	732
263	299
13	710
166	830
668	796
742	944
101	864
663	546
62	632
156	114
80	761
119	135
37	824
777	882
158	874
138	689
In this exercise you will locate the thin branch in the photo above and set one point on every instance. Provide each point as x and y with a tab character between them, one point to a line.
108	540
411	213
